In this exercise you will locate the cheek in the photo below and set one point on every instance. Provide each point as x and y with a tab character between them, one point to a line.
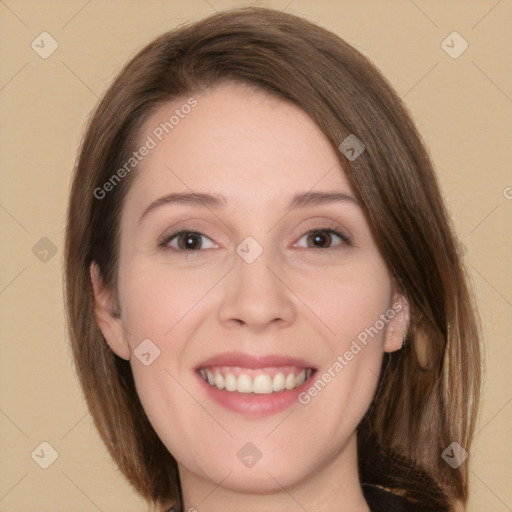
165	306
156	298
162	305
348	304
346	300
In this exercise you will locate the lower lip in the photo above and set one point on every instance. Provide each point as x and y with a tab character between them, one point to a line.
255	404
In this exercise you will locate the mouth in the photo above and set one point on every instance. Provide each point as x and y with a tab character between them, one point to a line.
254	385
264	381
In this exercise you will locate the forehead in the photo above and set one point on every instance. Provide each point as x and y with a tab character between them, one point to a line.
233	139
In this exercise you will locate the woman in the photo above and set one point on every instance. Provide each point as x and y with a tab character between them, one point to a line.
265	299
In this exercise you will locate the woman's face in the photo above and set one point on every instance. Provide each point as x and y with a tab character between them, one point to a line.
275	277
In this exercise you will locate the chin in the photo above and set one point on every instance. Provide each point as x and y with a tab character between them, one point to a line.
265	479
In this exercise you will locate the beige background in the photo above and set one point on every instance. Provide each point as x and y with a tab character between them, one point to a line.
463	109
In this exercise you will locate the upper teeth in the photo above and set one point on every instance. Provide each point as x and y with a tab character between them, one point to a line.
262	383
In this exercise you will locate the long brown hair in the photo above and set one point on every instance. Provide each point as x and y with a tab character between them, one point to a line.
429	391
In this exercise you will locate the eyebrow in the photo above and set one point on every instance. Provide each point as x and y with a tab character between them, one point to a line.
218	201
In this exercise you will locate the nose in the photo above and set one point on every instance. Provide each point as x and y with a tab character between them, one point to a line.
257	295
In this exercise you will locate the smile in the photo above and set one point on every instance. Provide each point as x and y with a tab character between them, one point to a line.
256	385
260	381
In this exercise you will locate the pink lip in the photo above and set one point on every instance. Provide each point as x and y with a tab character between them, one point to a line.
254	362
254	405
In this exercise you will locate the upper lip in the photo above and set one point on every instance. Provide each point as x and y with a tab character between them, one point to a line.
253	361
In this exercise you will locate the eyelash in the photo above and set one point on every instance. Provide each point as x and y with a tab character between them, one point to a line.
168	237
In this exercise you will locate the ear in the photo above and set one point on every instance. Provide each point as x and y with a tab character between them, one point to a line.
107	318
398	324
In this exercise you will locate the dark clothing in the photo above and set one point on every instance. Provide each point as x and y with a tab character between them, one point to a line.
379	500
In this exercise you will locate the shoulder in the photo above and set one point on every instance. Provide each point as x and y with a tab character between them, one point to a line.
381	500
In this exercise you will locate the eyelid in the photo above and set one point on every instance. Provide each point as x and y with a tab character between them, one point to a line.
177	234
311	226
341	236
174	231
324	225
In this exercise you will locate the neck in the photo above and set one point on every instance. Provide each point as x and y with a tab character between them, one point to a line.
330	487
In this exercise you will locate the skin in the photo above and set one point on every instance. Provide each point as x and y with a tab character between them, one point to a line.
294	299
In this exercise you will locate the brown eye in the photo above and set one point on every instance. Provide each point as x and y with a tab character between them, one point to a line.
322	239
189	241
319	239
